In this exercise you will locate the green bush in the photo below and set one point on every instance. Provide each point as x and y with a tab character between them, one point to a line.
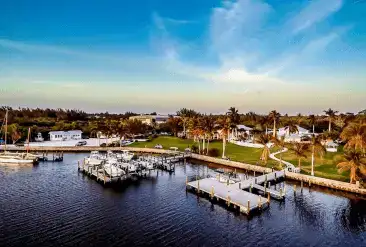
194	148
213	152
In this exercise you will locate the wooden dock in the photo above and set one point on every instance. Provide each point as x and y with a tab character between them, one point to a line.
245	201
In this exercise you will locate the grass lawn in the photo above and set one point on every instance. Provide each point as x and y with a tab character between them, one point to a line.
234	152
325	167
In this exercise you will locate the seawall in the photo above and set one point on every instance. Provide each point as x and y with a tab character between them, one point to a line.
329	183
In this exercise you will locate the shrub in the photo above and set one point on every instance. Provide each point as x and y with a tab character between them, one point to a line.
194	148
213	152
103	145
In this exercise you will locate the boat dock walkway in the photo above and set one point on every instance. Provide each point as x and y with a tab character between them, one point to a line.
245	201
237	194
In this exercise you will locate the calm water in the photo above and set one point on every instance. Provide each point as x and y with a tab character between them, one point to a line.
53	204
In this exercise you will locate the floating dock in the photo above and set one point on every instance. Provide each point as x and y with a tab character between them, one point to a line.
245	201
235	193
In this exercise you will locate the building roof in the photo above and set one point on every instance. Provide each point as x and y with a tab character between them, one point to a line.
65	132
243	127
56	132
74	131
299	129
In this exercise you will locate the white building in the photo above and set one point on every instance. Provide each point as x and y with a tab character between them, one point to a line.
149	119
65	135
286	132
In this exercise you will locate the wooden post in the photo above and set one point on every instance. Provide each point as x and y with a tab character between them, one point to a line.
284	190
198	187
259	202
254	173
269	184
212	193
104	175
239	185
186	180
265	188
269	198
302	184
265	178
228	201
294	188
248	207
280	192
309	183
79	165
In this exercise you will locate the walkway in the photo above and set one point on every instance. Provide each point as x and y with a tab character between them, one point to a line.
289	166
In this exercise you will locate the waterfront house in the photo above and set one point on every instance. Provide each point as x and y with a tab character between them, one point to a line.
150	119
65	135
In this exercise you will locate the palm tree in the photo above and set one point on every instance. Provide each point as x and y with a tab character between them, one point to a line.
291	127
208	127
300	150
331	114
186	114
223	124
280	143
312	121
354	162
264	140
234	116
316	148
263	122
355	136
274	116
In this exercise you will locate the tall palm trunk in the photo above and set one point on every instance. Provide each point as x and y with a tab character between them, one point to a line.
353	175
312	161
330	124
313	129
223	146
274	128
208	143
203	145
300	164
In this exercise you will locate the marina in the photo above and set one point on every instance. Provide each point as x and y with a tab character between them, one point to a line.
115	167
85	212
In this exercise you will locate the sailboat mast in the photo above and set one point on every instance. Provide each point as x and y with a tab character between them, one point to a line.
28	140
6	128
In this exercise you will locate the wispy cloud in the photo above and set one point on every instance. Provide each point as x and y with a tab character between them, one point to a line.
315	12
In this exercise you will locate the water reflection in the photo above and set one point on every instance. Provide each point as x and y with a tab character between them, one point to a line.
54	201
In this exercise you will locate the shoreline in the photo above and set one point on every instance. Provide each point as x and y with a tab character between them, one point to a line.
309	180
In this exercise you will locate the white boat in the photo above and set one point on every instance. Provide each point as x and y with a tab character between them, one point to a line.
112	169
39	138
126	155
15	158
146	164
95	158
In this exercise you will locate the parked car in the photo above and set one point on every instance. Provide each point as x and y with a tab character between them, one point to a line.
159	146
80	143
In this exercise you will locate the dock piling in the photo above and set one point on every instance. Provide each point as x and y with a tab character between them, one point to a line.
248	207
212	193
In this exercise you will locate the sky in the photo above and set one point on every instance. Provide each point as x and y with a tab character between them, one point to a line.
162	55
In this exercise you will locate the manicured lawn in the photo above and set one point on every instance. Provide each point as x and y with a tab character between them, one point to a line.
234	152
325	167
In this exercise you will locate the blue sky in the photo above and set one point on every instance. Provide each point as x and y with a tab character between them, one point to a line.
154	55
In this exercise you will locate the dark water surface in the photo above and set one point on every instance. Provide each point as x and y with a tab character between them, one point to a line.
53	204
